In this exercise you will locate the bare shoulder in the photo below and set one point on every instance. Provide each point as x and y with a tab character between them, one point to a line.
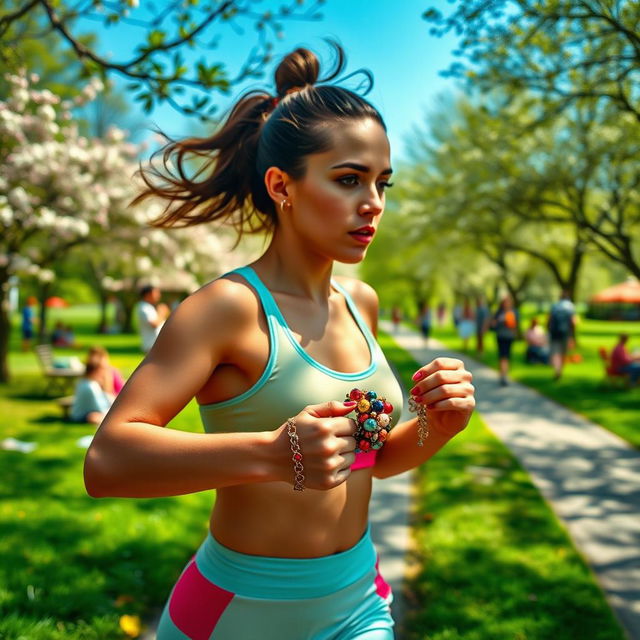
365	297
226	305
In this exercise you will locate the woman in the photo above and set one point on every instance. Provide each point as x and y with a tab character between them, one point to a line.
93	395
505	324
270	352
537	344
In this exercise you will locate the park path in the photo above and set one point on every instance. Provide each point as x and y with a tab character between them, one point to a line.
589	476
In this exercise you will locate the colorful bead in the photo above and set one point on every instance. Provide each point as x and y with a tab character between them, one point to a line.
383	420
373	419
370	424
377	406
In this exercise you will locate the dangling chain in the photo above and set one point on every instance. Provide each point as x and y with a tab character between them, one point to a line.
423	425
298	482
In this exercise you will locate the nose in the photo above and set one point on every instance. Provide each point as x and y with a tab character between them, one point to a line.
373	204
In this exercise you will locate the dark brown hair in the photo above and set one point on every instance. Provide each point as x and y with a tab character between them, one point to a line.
260	131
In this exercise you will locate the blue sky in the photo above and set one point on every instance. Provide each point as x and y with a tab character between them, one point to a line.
389	38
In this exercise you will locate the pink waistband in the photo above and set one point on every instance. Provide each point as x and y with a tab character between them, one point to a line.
364	460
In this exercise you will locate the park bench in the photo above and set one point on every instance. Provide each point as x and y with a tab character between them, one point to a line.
614	377
59	379
65	403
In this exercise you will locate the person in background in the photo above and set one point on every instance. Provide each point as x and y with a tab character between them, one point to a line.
561	325
466	324
505	324
424	321
483	317
396	317
28	318
91	401
151	316
537	344
111	379
624	362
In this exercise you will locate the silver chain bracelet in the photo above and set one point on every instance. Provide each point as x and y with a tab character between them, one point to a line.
298	483
423	425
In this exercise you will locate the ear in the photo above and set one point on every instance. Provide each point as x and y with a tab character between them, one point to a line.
277	181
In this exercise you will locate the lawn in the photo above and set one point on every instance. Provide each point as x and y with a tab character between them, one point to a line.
583	387
75	567
491	561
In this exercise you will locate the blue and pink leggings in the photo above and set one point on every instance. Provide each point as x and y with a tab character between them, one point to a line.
226	595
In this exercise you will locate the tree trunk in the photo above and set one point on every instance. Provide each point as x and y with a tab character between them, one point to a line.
45	289
5	326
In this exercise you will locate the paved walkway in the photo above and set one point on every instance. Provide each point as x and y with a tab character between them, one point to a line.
590	477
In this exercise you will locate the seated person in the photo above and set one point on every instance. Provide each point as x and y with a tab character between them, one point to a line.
57	336
622	362
537	344
111	379
91	402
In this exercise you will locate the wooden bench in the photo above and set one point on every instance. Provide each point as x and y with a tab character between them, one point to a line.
65	403
59	379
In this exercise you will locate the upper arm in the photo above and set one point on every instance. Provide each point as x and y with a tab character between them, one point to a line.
192	342
366	300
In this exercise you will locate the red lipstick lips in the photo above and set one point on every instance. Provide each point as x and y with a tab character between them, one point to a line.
363	234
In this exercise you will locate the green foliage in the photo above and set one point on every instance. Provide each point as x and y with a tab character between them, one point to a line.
157	70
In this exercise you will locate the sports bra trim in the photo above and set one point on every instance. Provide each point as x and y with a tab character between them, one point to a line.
275	319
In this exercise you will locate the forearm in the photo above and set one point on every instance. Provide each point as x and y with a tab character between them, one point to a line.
401	451
136	460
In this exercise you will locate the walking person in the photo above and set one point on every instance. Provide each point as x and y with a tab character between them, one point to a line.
505	324
483	317
424	321
28	319
270	351
561	327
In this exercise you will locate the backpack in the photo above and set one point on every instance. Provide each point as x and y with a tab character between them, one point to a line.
560	320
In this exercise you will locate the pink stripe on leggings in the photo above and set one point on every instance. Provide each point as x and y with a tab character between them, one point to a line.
196	604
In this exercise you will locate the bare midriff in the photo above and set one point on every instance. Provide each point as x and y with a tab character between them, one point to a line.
271	519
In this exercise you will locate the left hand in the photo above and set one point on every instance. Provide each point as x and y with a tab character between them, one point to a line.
444	386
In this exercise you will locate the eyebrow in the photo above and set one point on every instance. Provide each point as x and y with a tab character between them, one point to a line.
359	167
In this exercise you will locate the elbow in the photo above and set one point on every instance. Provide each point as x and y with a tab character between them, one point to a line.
98	481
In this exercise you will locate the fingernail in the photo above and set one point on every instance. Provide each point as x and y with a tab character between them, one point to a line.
417	375
414	391
350	403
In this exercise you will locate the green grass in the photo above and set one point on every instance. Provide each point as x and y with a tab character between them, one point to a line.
72	565
583	387
491	561
496	563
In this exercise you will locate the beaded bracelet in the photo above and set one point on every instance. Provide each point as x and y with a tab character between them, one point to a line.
373	420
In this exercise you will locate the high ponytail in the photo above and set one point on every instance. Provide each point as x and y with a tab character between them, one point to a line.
261	131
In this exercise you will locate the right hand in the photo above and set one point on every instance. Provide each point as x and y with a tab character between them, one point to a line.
327	444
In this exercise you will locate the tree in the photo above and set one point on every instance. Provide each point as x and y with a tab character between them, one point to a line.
158	71
57	188
563	50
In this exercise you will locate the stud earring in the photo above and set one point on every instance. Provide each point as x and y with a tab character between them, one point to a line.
283	205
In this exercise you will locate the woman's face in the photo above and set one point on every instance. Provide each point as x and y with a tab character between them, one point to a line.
336	206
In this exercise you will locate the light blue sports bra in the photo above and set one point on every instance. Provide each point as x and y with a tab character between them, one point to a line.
292	379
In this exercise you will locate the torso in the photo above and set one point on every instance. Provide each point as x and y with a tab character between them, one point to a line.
271	519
